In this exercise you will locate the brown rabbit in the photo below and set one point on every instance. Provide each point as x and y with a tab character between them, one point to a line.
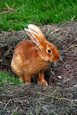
31	57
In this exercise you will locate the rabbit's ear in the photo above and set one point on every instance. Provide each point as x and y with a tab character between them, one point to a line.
36	30
34	37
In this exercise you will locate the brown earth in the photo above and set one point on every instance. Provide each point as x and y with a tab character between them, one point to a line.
60	97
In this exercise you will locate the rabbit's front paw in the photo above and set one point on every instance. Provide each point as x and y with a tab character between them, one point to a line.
43	83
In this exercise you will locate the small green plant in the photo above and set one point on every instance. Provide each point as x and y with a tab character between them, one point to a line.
7	77
17	14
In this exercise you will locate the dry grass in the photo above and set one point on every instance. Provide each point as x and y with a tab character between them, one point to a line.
38	100
60	97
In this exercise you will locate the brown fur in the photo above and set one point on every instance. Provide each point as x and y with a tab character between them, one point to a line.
30	57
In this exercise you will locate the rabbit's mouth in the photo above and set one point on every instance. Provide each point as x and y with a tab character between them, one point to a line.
55	59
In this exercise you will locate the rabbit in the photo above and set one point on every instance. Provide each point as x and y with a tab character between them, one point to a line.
32	57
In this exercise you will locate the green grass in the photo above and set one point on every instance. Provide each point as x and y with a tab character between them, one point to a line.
36	12
7	77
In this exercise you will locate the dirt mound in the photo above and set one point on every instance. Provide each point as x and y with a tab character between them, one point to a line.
59	98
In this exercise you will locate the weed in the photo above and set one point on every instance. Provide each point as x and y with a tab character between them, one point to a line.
6	77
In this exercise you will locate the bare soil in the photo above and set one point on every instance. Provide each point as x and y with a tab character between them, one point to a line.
60	97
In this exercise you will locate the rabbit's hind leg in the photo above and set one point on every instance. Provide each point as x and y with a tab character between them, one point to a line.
21	76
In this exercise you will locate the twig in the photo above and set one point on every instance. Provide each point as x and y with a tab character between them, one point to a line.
55	30
7	104
72	19
54	112
7	52
5	12
43	94
48	30
67	99
52	72
48	95
14	111
54	92
9	8
70	47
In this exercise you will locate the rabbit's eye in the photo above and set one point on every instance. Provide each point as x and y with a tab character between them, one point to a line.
48	51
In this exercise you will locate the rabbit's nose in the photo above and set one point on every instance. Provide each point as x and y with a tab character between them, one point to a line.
58	56
55	58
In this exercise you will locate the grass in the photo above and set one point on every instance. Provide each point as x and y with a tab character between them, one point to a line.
6	77
35	11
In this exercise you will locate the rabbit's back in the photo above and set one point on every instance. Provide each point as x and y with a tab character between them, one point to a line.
25	49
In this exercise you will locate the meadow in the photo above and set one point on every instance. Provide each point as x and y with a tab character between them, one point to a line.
17	14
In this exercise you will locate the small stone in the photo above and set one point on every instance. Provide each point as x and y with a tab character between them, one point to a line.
59	77
75	85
